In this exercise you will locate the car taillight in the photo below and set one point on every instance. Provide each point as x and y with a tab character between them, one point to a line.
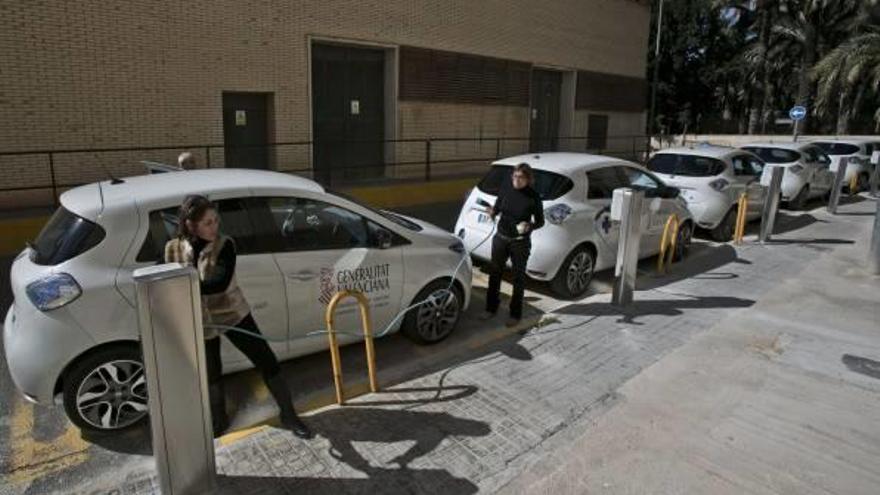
796	169
719	184
557	214
53	291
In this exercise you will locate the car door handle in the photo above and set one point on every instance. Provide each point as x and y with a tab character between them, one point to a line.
302	275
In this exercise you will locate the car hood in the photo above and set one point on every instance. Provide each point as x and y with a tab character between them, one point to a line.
429	229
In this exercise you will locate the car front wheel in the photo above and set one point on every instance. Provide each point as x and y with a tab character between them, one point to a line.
574	276
106	391
437	315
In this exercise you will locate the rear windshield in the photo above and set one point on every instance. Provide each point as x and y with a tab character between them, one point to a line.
548	185
65	236
838	148
774	155
686	165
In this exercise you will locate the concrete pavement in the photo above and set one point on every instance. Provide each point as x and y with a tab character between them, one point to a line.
521	412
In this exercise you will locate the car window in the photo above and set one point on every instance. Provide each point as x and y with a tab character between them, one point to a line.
638	179
741	165
311	225
548	185
755	165
685	165
602	182
235	222
65	236
774	155
838	148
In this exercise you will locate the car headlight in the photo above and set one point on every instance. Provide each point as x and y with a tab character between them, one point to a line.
719	184
796	169
557	214
53	291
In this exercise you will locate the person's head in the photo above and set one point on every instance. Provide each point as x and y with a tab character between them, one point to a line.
198	218
186	160
522	176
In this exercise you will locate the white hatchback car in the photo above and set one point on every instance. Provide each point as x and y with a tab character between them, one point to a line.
578	237
72	329
807	170
857	152
711	180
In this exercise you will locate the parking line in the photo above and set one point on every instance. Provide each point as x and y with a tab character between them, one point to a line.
32	459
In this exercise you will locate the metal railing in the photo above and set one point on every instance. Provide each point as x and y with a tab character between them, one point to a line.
52	171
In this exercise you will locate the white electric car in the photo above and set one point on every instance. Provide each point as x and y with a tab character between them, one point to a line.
711	180
807	170
857	152
72	330
578	237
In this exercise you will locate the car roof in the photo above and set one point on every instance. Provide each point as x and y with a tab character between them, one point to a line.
153	187
854	141
563	162
711	151
786	146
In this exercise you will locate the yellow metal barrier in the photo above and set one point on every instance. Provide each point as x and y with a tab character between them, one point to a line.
853	185
334	344
741	210
668	242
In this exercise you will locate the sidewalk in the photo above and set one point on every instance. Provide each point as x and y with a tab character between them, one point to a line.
690	390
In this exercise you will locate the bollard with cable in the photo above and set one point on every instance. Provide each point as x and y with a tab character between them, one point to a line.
742	208
669	242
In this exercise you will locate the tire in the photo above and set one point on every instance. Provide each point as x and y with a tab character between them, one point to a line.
106	391
683	241
800	201
724	231
574	276
864	182
435	320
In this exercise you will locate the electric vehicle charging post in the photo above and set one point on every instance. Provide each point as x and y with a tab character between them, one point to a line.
834	199
875	172
172	338
874	253
771	204
626	208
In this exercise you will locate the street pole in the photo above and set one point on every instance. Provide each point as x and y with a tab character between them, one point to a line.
656	77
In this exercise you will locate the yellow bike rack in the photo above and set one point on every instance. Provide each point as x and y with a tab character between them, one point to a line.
853	184
668	242
740	230
334	344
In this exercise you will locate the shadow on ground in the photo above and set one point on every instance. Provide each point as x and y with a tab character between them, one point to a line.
664	307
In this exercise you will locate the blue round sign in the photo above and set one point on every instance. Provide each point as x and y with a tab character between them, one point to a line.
797	112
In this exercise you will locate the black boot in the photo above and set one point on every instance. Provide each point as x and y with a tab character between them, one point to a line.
219	419
289	419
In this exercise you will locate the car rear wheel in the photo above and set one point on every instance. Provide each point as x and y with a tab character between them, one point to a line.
800	201
723	232
106	391
574	276
683	240
437	316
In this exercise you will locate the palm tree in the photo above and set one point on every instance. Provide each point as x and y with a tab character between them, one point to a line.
808	26
847	75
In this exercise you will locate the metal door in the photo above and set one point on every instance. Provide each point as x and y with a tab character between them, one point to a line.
246	130
546	89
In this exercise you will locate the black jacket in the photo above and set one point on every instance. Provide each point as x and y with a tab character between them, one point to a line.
518	205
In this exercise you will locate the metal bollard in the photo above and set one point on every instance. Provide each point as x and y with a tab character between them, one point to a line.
837	186
874	254
626	206
170	321
335	359
771	204
741	216
875	172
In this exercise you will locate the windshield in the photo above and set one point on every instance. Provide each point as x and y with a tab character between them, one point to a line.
686	165
838	148
65	236
774	155
388	215
548	185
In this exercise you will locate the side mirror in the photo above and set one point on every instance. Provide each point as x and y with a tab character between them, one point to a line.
383	239
669	192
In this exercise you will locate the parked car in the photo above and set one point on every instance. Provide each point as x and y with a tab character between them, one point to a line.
857	152
711	180
807	170
72	329
578	237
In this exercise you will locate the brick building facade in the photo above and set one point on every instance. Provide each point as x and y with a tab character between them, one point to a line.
90	74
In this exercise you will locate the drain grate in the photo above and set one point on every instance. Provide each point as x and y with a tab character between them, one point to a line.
862	365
